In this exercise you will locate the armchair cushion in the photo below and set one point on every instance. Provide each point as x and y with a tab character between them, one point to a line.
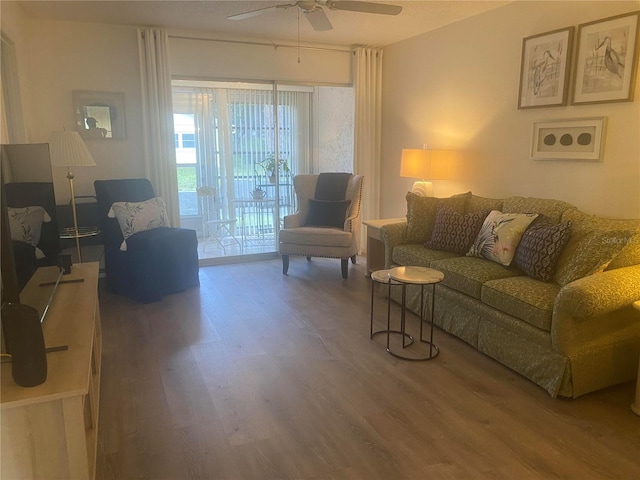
327	213
134	217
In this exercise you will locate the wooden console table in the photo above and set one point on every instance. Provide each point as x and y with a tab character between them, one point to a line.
51	430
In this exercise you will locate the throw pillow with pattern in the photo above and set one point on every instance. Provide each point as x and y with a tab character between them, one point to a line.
134	217
540	249
421	214
500	235
453	231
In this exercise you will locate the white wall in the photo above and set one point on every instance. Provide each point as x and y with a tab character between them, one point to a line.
57	58
457	88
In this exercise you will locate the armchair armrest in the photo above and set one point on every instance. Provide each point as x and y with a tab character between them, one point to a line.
293	221
594	307
392	234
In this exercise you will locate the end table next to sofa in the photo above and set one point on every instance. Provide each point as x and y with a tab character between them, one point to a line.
375	245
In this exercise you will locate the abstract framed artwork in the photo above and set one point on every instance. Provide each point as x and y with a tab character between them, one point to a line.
606	63
573	139
544	71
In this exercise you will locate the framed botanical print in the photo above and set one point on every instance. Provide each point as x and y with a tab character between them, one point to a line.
606	63
544	71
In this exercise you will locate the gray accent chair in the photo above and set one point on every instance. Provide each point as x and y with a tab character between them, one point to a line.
296	238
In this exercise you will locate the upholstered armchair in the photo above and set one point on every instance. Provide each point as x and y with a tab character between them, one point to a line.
150	260
327	223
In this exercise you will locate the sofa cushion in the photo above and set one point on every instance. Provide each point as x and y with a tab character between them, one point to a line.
412	254
540	249
318	236
500	235
550	209
468	274
135	217
589	254
524	298
453	231
421	214
583	223
476	204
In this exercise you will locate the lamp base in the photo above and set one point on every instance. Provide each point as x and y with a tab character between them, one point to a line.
422	188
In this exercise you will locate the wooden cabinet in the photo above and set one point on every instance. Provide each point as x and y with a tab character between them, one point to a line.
51	430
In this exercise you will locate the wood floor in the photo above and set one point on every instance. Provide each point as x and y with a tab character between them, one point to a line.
257	375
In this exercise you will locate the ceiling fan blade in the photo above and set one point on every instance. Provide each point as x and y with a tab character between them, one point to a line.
319	20
259	11
366	7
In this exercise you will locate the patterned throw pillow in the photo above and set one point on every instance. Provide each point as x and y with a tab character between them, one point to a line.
500	235
454	232
134	217
421	214
25	225
590	254
540	249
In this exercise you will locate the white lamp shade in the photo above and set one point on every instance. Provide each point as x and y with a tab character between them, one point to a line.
425	164
69	150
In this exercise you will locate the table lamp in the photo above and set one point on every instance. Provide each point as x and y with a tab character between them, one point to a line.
426	165
69	150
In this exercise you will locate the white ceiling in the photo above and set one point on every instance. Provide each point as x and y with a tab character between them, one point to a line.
349	28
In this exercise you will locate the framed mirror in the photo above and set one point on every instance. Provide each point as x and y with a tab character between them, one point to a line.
99	115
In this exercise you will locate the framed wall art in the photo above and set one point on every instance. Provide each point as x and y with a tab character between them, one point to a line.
606	62
574	139
99	115
544	70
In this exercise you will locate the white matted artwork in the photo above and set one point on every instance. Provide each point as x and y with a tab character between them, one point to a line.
544	70
574	139
606	62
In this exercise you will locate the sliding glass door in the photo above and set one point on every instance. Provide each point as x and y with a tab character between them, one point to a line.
238	146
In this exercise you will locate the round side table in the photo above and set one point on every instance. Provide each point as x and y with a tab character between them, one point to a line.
423	277
381	277
635	406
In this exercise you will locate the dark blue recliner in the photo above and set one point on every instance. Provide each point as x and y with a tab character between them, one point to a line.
157	262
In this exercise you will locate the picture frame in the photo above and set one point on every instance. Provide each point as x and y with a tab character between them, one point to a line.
606	62
99	115
544	69
571	139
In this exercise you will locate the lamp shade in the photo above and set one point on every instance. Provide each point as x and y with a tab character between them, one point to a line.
425	164
69	150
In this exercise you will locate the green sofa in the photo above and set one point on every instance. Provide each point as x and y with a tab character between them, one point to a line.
570	336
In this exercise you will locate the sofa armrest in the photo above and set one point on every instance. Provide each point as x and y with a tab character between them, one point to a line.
593	307
392	234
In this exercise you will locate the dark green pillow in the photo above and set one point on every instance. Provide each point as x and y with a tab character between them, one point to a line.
327	213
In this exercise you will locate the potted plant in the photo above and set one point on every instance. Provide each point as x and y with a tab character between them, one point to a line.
270	166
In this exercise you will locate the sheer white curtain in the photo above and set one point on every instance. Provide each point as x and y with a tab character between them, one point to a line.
367	76
157	118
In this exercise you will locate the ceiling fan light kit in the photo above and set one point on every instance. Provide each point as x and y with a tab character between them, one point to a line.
315	14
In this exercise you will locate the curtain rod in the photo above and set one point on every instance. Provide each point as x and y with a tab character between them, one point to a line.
262	44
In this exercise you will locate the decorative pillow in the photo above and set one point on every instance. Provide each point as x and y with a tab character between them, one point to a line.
590	254
327	213
25	225
135	217
540	249
454	232
500	235
421	214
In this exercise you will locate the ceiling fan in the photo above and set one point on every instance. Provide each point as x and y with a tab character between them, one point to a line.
315	14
